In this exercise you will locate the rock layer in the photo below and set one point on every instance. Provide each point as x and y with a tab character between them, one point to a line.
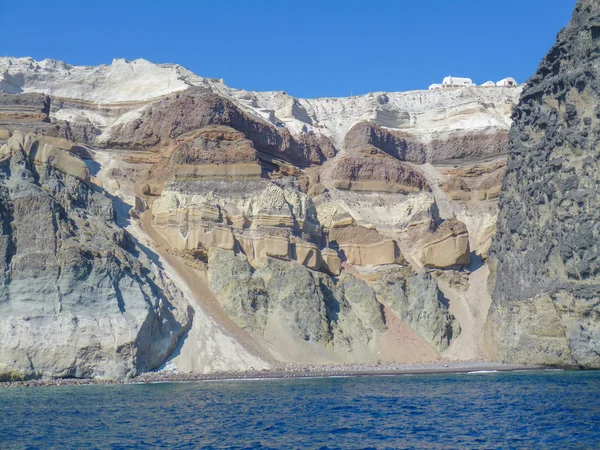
304	215
446	247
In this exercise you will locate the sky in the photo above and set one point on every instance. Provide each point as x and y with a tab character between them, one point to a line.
308	48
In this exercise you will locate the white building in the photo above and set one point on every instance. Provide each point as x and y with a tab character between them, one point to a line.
488	84
435	86
450	82
507	82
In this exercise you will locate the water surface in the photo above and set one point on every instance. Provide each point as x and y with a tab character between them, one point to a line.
494	410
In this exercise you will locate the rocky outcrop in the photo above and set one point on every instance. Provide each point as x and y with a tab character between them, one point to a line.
478	183
447	246
456	189
294	309
467	145
362	246
416	300
31	112
213	144
387	212
375	172
545	266
439	147
214	151
19	109
196	108
402	146
191	213
78	298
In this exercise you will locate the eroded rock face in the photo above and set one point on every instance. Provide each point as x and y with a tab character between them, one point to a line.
31	112
24	108
402	146
196	108
77	297
437	147
385	210
288	305
446	247
257	217
479	183
545	254
417	301
292	206
467	145
376	173
362	246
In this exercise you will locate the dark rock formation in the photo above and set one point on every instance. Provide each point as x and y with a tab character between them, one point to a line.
214	145
546	253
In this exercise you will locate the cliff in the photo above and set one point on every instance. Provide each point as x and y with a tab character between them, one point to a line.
546	272
247	228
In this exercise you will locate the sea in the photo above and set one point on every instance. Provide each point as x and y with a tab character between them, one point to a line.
517	410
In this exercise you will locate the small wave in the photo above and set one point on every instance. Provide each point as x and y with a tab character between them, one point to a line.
483	371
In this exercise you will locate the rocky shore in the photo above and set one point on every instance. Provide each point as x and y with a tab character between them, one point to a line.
291	371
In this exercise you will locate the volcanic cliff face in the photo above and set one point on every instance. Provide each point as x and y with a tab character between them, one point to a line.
78	297
255	226
545	253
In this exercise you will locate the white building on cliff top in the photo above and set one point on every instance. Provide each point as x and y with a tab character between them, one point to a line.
507	82
457	82
454	82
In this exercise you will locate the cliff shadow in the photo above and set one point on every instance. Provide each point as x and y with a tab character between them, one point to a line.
476	261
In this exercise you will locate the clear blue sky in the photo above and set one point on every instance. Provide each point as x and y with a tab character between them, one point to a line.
309	48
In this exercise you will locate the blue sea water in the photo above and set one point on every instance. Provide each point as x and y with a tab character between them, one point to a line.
496	410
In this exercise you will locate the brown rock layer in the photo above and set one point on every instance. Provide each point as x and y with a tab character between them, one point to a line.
376	172
402	146
197	108
443	147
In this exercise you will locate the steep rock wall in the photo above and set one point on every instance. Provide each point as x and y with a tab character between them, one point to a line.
78	298
545	255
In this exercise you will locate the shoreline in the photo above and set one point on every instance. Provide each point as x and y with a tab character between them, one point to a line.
292	371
